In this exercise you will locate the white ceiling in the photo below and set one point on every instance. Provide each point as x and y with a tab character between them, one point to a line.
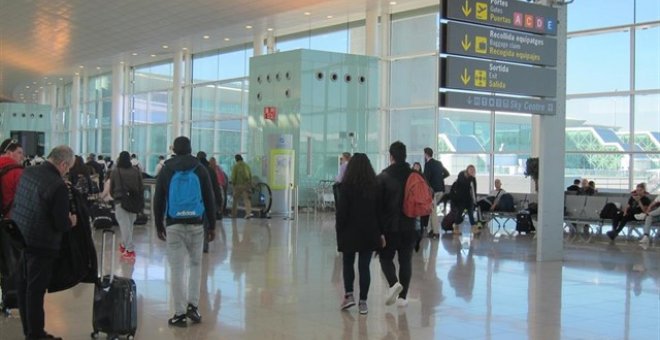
43	40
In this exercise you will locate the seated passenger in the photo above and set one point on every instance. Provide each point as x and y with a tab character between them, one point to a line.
637	203
575	187
651	212
492	202
591	190
584	187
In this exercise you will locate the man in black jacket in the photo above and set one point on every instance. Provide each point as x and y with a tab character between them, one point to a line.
185	231
400	235
435	174
41	211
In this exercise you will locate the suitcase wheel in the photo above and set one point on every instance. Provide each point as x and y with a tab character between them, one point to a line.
130	337
94	335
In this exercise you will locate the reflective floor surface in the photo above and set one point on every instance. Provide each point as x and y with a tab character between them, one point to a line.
275	279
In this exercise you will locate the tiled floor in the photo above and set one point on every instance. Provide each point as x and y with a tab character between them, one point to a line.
275	279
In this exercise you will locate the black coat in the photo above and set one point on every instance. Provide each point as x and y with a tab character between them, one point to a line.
393	181
435	174
461	194
358	219
76	262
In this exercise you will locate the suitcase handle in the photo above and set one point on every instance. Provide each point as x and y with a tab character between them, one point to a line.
112	261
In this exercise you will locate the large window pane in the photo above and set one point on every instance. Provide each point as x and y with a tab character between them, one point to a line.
425	30
205	68
608	171
647	58
337	41
647	10
647	139
464	131
234	64
413	82
154	77
597	124
415	129
587	14
598	63
513	133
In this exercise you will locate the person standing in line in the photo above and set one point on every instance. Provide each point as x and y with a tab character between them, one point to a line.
241	180
343	163
399	230
42	213
435	174
159	166
125	179
183	198
358	227
217	193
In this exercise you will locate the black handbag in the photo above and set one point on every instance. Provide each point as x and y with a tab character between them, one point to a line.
130	201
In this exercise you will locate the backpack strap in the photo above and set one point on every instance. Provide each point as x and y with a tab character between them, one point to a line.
3	171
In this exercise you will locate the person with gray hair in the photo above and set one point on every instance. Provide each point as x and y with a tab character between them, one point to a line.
42	213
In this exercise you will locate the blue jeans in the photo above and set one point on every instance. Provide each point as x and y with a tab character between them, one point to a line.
182	240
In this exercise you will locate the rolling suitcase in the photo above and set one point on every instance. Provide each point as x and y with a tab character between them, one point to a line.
102	216
115	301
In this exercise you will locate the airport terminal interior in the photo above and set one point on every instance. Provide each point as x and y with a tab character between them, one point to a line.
292	85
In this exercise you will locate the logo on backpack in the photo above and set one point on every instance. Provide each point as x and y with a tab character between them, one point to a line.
184	200
417	199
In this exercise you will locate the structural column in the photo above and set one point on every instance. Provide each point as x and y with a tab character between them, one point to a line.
74	117
551	138
117	115
371	28
384	81
258	44
177	77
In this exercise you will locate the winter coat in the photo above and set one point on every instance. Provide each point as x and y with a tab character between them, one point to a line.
9	183
435	174
461	192
393	181
358	219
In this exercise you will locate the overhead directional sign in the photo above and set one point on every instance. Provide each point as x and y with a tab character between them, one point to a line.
512	14
491	76
493	43
497	103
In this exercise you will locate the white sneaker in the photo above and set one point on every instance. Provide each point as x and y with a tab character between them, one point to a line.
640	216
400	302
645	240
393	293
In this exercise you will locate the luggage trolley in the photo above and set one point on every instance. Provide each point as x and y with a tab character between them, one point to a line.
325	198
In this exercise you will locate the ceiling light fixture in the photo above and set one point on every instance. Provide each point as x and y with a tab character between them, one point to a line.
248	27
329	16
165	46
184	48
392	3
206	37
269	29
98	67
134	53
81	66
27	86
308	13
153	55
227	39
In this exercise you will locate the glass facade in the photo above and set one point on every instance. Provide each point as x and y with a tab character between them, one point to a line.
612	108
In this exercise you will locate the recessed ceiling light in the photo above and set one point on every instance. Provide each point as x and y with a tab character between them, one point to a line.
98	67
61	78
153	55
81	66
269	29
392	3
27	86
121	63
77	74
134	53
41	87
45	78
184	48
248	27
227	39
308	13
329	16
165	46
206	37
49	83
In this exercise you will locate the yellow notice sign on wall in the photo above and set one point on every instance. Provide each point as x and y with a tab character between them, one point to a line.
281	172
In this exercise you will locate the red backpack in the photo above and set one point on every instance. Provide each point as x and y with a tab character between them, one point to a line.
417	198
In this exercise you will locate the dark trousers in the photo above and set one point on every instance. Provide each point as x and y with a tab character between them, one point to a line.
401	243
363	269
459	212
619	221
33	279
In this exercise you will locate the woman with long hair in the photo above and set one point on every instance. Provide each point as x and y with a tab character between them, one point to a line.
125	179
358	226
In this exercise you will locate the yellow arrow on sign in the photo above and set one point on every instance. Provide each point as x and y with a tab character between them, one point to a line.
465	77
466	9
466	43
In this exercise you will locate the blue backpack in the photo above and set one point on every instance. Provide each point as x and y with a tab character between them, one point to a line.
184	200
